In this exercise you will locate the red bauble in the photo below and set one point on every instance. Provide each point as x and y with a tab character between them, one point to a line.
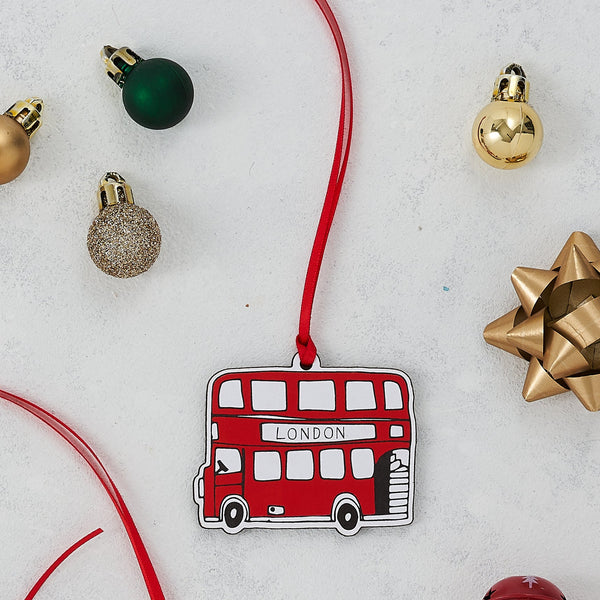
524	588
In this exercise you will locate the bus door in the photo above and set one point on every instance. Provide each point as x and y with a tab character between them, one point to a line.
392	484
228	465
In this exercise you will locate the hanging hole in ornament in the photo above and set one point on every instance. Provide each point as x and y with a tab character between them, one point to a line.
33	127
103	198
503	85
121	194
297	364
132	54
515	69
119	63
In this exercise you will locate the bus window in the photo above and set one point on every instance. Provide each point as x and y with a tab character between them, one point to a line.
300	465
363	464
396	431
269	395
393	395
227	460
230	394
360	395
267	466
316	395
332	463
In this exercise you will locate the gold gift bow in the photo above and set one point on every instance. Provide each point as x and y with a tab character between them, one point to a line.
557	326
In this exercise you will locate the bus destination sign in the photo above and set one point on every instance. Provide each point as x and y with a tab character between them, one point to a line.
316	433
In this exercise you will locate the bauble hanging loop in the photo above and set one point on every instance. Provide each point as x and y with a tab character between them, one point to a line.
124	239
17	125
157	93
508	132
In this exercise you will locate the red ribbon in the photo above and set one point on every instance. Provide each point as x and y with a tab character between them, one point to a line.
306	347
40	582
81	446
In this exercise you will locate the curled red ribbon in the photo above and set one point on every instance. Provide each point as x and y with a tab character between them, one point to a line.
306	347
40	582
82	447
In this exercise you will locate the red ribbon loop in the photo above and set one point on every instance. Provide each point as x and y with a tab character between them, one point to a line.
307	350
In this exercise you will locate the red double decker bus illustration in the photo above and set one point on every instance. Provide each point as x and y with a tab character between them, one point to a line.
288	447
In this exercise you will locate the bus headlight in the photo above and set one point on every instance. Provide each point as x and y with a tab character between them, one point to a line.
200	487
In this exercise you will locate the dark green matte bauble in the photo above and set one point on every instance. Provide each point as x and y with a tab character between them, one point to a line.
158	93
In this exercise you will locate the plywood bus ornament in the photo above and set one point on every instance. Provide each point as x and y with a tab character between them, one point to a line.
306	446
288	447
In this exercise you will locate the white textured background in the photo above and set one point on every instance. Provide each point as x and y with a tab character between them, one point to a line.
503	487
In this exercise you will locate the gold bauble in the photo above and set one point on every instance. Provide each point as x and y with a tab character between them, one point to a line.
17	125
124	239
14	149
508	132
507	135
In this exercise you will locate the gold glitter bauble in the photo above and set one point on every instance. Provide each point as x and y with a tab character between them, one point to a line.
124	240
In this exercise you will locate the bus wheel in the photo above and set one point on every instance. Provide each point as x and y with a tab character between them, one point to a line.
347	518
234	514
